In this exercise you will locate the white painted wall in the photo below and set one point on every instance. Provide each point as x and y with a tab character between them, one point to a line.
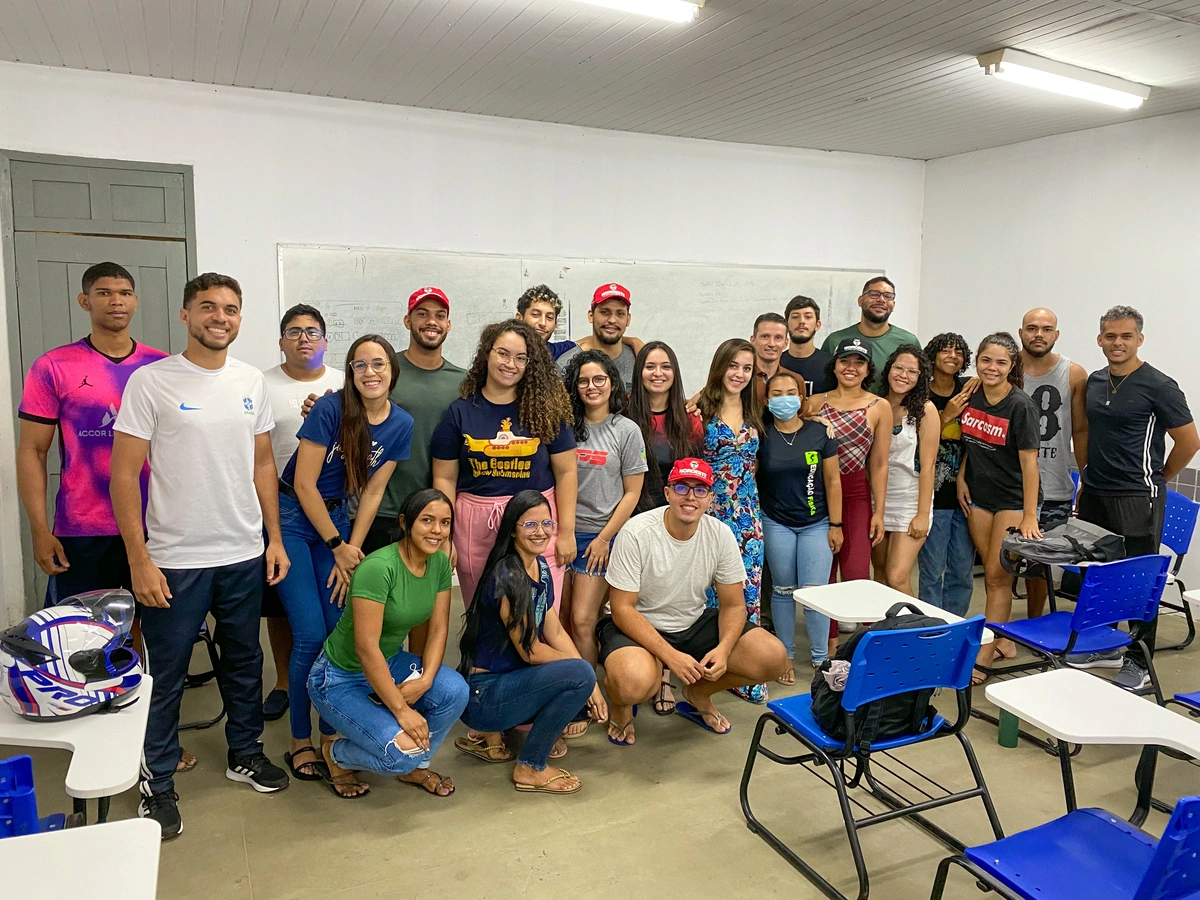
281	168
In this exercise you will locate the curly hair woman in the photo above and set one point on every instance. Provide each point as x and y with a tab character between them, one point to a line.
509	431
947	558
912	453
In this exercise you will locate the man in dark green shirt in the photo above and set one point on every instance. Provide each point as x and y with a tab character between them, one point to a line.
877	302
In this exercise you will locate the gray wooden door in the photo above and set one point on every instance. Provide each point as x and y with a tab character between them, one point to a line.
68	217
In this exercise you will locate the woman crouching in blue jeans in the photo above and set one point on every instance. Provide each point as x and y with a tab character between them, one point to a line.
393	708
521	666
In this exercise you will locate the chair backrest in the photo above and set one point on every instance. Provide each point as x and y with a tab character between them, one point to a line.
1179	522
1120	591
886	663
1174	870
1075	481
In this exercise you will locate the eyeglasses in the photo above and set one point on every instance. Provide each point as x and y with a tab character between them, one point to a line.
313	334
520	360
911	373
377	365
699	491
596	381
886	295
531	528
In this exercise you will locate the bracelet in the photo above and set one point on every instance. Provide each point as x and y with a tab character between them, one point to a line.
835	524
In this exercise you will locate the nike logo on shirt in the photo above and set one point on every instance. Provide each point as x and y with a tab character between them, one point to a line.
185	406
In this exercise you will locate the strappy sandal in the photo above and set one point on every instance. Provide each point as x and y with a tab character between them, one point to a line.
978	677
544	787
663	706
423	784
482	751
317	770
347	779
788	678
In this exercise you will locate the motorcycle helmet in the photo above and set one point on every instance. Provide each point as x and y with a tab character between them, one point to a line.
71	659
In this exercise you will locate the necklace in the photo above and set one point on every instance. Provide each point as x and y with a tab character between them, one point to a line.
1114	386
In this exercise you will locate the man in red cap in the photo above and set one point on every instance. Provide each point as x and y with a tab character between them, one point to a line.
663	562
609	315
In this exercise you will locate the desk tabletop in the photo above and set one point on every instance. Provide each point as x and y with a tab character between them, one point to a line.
113	861
106	748
1084	709
865	601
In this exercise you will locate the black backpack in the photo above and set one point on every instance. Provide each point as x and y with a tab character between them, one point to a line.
900	714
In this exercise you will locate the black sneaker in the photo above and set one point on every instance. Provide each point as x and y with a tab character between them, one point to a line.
257	771
163	808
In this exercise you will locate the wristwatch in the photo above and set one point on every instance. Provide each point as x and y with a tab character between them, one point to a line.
334	542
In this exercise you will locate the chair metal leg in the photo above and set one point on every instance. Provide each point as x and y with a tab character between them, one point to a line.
1068	777
1144	780
1154	682
195	681
1186	609
983	881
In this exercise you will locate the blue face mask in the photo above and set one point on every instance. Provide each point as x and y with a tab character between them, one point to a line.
784	408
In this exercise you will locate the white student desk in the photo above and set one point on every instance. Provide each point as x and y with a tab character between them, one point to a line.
106	748
116	861
1078	708
865	601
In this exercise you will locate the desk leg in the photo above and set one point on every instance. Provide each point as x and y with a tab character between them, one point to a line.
1068	777
102	809
80	808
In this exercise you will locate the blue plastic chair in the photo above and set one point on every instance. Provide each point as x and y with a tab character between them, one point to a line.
1120	591
884	663
1087	854
18	802
1179	525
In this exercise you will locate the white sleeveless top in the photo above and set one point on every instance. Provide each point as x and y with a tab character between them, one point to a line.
903	490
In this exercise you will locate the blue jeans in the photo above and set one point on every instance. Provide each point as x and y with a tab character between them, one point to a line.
946	562
797	557
369	730
550	696
306	601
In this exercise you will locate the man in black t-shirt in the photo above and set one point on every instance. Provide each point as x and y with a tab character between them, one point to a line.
1131	407
803	317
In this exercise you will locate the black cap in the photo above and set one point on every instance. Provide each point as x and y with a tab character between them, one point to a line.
851	345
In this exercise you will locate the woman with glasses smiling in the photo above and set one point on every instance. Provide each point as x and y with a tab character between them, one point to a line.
509	431
349	445
520	665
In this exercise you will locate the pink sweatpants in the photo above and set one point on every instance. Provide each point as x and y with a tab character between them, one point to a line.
476	524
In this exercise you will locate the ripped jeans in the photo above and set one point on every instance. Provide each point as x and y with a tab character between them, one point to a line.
368	729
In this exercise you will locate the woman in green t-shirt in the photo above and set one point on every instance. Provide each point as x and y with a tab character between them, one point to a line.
393	708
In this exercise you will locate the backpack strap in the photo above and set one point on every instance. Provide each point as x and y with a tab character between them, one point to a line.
898	608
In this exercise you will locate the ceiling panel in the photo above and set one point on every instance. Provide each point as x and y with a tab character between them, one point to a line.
895	77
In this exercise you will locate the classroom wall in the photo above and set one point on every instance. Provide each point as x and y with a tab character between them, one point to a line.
1078	223
281	168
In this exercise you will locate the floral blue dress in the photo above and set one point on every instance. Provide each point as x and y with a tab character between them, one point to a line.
735	502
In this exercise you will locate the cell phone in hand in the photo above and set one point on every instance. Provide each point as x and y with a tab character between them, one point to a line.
413	676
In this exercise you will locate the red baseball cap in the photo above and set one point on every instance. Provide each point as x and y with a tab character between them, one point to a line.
608	292
691	468
424	294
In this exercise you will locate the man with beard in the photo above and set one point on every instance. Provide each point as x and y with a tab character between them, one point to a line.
803	318
610	317
877	301
1058	388
204	422
427	385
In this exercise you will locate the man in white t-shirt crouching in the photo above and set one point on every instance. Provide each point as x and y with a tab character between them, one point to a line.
662	564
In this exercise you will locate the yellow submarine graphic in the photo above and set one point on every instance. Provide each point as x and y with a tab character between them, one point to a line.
505	443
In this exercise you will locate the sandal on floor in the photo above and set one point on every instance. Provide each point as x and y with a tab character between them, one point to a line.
586	723
623	731
978	677
544	788
317	770
482	751
788	678
556	752
699	717
187	761
348	779
424	783
663	706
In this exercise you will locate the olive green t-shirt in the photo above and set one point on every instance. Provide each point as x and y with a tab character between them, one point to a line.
881	348
408	601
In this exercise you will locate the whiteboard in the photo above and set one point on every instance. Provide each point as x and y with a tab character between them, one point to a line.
691	306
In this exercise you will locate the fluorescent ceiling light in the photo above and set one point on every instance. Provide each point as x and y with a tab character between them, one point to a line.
672	10
1048	75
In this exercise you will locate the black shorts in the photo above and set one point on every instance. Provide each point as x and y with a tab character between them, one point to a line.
1137	517
96	564
384	530
697	641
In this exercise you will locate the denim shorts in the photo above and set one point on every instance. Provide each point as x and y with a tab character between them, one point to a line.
579	566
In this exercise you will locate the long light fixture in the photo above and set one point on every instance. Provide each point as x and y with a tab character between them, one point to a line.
1061	78
671	10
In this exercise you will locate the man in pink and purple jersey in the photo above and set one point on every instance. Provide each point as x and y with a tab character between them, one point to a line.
76	390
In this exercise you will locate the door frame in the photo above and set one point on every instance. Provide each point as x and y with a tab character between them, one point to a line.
14	602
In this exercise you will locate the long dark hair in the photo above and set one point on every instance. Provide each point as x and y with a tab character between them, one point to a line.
713	394
414	504
504	572
914	401
1016	375
542	403
677	424
616	399
355	434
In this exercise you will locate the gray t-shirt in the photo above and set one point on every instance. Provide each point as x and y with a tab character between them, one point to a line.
670	576
614	448
624	364
1051	394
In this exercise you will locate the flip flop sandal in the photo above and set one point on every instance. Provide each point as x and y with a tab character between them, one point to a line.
790	673
663	706
543	787
587	723
624	730
441	780
182	765
482	751
318	771
692	714
347	780
555	753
